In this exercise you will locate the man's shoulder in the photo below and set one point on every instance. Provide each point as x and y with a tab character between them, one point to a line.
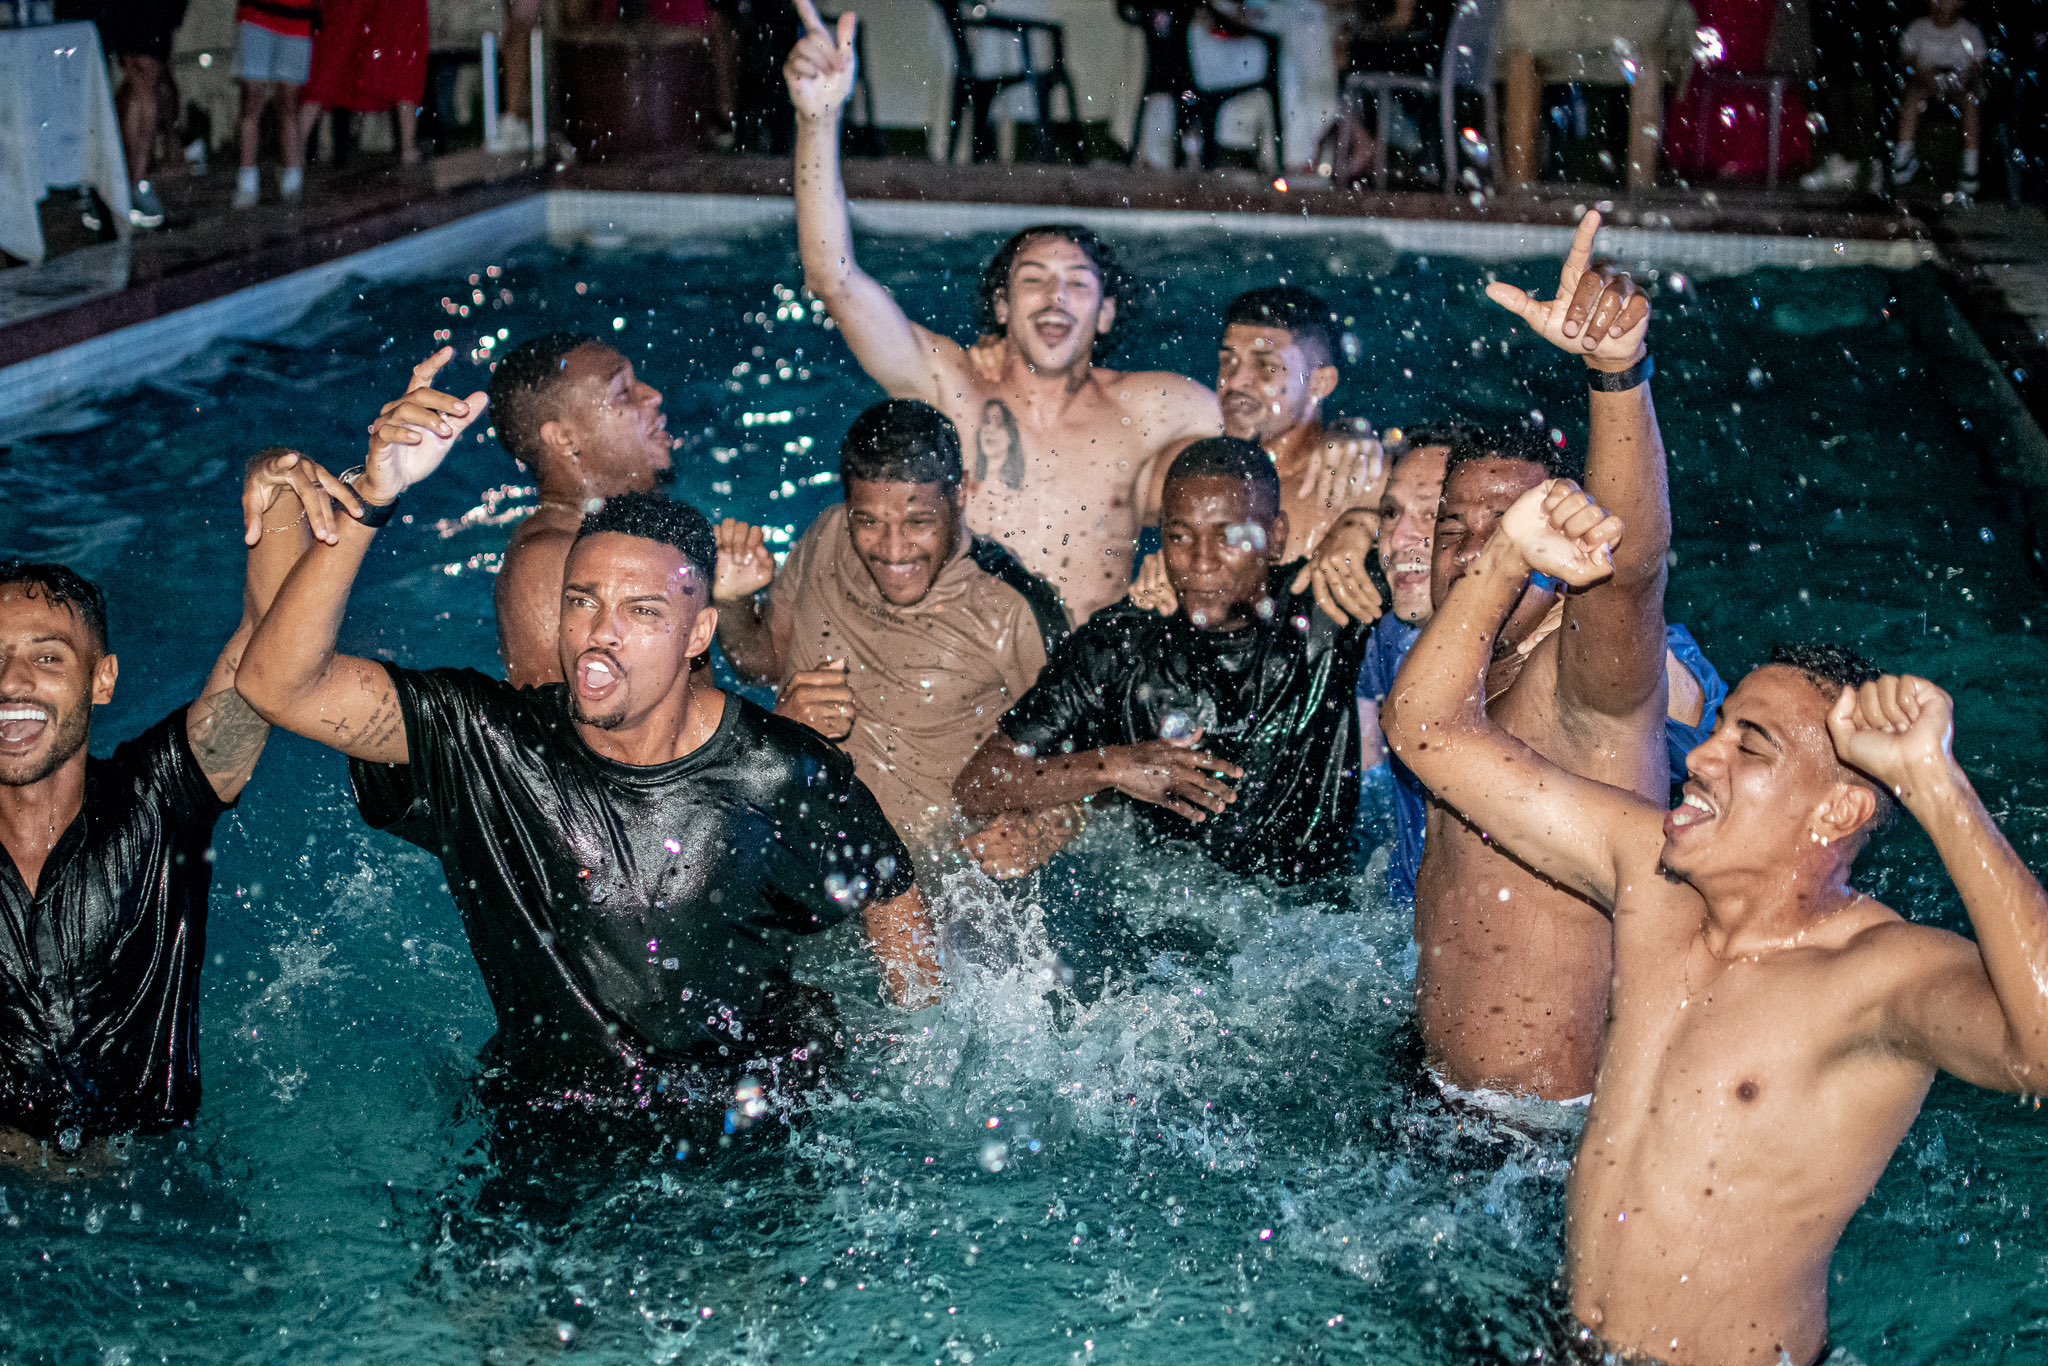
781	751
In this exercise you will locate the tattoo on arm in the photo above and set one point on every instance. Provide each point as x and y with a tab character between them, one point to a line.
226	736
384	723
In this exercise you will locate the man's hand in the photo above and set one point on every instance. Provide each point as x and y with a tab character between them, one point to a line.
413	434
1346	469
1897	729
821	700
1563	533
1152	590
744	565
1175	775
272	472
1337	571
819	71
1018	843
1597	312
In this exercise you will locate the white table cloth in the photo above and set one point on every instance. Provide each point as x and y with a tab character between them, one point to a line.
910	67
57	127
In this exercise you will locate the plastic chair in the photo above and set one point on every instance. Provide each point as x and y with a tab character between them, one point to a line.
1170	71
975	91
1468	64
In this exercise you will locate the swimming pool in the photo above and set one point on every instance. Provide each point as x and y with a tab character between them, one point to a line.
1222	1152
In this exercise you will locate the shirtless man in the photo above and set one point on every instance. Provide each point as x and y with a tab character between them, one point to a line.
1511	992
1064	458
1774	1030
570	409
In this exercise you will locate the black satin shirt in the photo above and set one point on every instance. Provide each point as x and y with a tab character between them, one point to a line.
1274	698
625	917
99	970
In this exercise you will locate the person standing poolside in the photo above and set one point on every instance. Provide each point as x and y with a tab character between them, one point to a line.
1511	991
273	58
138	35
892	630
1066	456
632	856
570	409
1229	722
103	890
1275	367
1774	1030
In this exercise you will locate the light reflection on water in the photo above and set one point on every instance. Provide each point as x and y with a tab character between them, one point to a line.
1162	1114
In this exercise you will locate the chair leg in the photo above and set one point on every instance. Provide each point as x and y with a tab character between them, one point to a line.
1447	129
1385	110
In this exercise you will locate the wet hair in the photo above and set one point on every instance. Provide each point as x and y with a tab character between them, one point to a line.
1831	668
902	441
653	517
61	587
1302	315
521	383
1405	441
1227	457
1117	283
1520	441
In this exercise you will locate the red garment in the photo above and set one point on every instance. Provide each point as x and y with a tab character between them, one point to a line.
291	18
369	55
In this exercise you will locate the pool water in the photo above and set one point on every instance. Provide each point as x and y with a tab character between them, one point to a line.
1218	1148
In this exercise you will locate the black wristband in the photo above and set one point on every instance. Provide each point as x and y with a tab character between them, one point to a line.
1621	381
373	515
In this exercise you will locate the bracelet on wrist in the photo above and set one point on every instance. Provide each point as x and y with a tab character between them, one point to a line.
1621	381
373	515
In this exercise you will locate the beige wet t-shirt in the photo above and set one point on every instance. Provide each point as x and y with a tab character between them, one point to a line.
929	681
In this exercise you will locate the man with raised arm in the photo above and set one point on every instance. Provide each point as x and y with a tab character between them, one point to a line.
1064	457
570	409
1774	1030
1511	991
631	855
103	889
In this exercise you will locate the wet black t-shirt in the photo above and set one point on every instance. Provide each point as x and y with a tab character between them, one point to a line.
99	970
1274	698
629	917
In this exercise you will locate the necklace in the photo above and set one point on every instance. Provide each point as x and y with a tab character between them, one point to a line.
1758	955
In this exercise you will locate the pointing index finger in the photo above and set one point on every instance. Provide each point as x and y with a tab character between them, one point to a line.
423	373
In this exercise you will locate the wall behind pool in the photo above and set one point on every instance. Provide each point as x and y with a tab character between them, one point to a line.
119	359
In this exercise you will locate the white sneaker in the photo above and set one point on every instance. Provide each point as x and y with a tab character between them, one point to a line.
1836	173
514	135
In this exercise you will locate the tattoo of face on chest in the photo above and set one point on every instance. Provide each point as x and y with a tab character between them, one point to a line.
997	442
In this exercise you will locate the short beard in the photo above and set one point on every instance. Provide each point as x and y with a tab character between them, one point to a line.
73	731
611	722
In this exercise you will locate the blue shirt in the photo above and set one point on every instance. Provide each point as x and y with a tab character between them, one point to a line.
1388	649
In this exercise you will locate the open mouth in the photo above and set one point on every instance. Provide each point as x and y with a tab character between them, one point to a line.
1054	329
21	726
1692	810
1407	573
597	677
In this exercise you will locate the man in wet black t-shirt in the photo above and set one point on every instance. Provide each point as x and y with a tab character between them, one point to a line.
631	855
107	863
1230	722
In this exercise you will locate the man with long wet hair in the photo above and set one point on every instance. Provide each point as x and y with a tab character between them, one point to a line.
1773	1029
1064	457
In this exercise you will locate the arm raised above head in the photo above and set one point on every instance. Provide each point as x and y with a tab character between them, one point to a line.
1982	1012
905	359
291	674
1571	829
1611	646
